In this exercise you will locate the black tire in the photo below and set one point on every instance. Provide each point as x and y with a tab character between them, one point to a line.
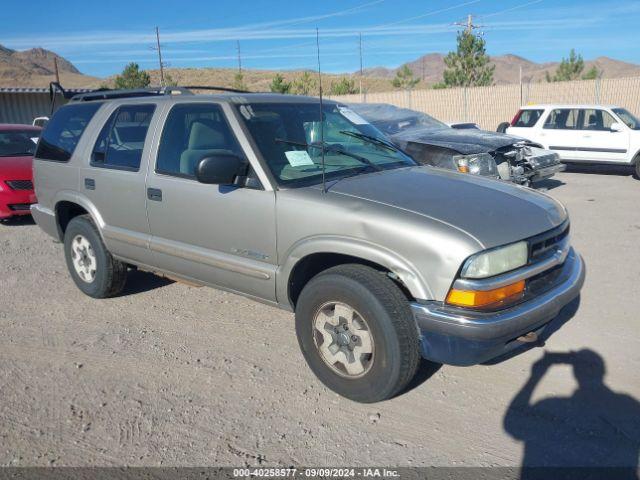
502	128
637	167
381	303
110	274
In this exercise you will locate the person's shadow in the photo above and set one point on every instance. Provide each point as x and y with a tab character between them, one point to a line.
595	432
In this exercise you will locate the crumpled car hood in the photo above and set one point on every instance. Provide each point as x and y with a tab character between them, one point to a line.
493	212
463	141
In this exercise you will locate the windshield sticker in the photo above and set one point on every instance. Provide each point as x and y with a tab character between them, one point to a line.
298	158
352	116
35	140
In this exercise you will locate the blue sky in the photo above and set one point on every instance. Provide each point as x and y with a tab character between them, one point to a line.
278	34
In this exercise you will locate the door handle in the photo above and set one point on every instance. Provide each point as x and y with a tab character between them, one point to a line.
89	184
154	194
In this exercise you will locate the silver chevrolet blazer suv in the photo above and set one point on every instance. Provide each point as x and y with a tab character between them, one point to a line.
303	205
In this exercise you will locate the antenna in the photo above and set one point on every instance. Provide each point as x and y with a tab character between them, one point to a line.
324	185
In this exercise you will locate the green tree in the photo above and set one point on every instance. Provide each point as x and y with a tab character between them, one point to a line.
469	65
591	74
278	85
569	68
305	84
404	78
344	86
238	81
132	77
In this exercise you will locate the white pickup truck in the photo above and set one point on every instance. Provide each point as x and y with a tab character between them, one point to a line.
582	133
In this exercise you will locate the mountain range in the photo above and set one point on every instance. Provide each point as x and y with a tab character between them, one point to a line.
430	68
35	68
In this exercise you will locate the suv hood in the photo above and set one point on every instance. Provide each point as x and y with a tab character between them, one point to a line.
492	212
463	141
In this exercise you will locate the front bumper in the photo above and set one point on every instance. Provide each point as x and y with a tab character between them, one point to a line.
463	337
547	172
15	202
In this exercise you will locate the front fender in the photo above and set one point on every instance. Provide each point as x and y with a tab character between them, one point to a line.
408	275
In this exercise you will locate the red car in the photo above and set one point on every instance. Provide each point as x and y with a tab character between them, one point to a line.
17	146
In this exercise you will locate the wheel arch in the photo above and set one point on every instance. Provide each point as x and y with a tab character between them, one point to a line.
311	257
69	205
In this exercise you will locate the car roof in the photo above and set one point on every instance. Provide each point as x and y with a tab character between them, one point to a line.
566	105
17	126
235	98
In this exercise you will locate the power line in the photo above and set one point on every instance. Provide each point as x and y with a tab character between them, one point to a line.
512	9
428	14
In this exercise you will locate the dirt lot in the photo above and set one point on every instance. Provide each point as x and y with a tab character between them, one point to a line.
169	374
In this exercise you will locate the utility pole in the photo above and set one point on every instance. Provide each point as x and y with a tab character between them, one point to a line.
160	57
469	26
423	69
520	85
239	57
361	69
55	68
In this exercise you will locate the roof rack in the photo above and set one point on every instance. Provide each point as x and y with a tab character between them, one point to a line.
108	93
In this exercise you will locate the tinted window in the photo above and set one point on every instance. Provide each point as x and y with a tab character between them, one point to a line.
527	118
121	140
562	119
15	143
191	133
62	134
593	119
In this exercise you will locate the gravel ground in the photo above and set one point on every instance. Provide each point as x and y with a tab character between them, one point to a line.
169	374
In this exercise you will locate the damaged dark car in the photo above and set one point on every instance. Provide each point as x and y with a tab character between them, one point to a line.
472	151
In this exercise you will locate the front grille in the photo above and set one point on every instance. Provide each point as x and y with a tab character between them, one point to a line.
542	245
19	207
20	184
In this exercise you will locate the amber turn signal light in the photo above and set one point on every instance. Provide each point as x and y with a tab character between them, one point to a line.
486	298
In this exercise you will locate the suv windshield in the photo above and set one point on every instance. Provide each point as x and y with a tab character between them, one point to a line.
628	118
288	136
17	143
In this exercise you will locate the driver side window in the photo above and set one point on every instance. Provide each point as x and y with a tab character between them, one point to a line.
194	131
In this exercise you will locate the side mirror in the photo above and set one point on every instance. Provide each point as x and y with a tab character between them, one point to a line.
615	127
221	169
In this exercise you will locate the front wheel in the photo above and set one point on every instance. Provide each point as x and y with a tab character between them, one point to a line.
357	333
637	167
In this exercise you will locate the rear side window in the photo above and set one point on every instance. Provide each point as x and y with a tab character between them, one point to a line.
62	134
191	133
121	140
527	118
562	119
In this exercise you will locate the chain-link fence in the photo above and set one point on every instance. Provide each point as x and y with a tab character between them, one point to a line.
489	106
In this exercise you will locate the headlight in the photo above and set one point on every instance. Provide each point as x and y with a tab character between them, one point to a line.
496	261
476	164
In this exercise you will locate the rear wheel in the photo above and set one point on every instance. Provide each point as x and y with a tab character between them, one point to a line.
92	267
357	333
637	167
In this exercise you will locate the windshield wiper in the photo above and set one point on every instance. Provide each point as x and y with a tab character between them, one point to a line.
332	149
371	139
